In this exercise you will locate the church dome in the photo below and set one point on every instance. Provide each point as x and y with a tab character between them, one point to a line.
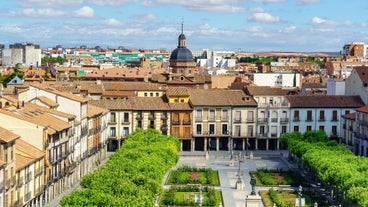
181	54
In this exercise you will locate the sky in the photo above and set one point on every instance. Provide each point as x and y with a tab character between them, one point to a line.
231	25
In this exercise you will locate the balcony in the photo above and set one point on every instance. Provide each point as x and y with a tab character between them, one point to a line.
38	171
27	197
112	122
164	117
262	120
250	120
262	135
274	120
198	119
139	117
296	119
175	122
321	119
125	122
211	119
334	119
151	117
186	122
237	120
284	120
225	118
309	120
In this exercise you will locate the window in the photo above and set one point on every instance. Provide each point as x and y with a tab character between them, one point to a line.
139	114
309	128
321	115
296	128
125	131
145	94
273	131
296	115
237	116
250	131
112	132
262	131
112	117
199	129
347	111
250	116
237	131
334	115
139	124
126	117
211	115
334	130
152	114
151	94
157	94
283	129
224	115
176	100
198	115
309	115
211	128
175	117
322	128
224	129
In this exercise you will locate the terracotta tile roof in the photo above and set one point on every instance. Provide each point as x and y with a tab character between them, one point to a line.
46	101
177	91
123	73
315	85
114	105
31	114
222	81
265	91
325	101
7	136
26	154
95	110
117	94
180	107
51	111
363	109
350	116
131	86
362	72
149	103
60	93
213	97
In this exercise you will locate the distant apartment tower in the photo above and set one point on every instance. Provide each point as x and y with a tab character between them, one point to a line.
27	54
355	51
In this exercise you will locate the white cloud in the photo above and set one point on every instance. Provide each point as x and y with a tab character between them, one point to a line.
305	2
41	13
110	2
264	18
84	12
113	22
289	29
222	6
48	3
11	28
318	20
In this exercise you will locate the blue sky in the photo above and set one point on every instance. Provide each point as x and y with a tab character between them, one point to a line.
237	25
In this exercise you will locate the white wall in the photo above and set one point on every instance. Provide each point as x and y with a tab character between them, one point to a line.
271	79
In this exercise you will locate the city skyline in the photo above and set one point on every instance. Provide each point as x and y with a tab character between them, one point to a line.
237	25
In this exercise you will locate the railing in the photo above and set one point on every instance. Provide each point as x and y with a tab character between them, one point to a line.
296	119
38	171
321	119
139	117
212	119
27	197
112	121
250	120
186	122
175	122
262	120
237	120
272	105
151	117
198	119
334	119
274	120
225	118
284	120
262	135
164	117
309	119
125	122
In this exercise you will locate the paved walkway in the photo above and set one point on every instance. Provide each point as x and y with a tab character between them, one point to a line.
220	161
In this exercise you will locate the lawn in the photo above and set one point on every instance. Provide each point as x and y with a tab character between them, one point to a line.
286	198
271	177
190	196
188	175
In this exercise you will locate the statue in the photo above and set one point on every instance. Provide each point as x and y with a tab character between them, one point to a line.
253	183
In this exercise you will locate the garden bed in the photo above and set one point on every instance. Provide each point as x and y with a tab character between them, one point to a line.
190	175
275	177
